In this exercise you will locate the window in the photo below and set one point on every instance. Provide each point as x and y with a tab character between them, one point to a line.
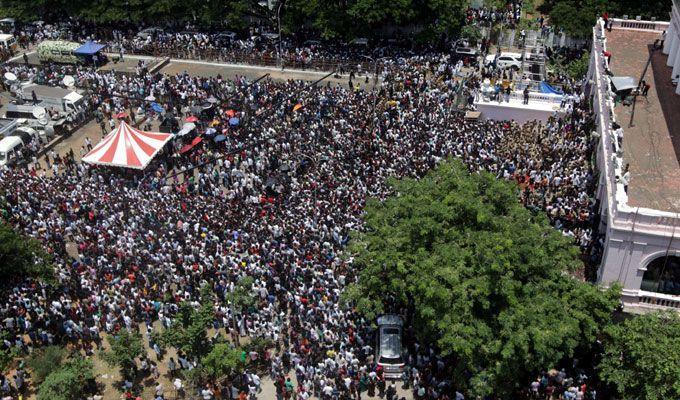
3	156
391	359
662	276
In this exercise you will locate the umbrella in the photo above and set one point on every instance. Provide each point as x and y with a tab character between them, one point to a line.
234	121
185	148
150	98
210	131
188	127
192	118
157	108
297	107
121	115
212	100
196	141
220	138
230	113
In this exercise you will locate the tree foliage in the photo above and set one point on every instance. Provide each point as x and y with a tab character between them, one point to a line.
208	12
125	347
223	361
331	19
578	68
45	361
642	357
21	256
242	296
577	17
484	278
69	382
355	18
188	333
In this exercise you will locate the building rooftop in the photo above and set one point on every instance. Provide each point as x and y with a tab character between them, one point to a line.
651	146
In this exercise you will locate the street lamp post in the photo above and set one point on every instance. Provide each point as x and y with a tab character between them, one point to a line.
375	83
278	20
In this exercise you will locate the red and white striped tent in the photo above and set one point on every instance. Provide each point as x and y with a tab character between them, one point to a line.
127	147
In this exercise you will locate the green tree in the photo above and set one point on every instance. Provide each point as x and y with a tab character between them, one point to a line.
70	382
578	68
125	347
189	332
223	361
20	255
471	33
482	277
240	299
576	18
642	357
45	361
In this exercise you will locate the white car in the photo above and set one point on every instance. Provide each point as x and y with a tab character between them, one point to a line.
389	351
505	60
149	32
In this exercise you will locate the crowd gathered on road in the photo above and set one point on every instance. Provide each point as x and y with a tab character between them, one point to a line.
278	200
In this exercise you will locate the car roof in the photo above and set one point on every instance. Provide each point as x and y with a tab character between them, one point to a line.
10	142
390	319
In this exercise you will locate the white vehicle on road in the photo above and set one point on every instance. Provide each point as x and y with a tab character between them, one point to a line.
505	60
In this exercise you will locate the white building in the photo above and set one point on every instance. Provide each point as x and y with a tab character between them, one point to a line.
639	210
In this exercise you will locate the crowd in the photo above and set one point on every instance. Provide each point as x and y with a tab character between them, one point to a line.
509	15
280	210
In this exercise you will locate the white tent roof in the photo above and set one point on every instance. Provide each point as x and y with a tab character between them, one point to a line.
623	83
127	147
73	97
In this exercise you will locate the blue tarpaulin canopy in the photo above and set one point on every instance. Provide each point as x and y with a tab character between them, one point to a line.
545	88
157	108
89	48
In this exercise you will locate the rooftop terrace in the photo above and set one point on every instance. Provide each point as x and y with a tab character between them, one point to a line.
651	146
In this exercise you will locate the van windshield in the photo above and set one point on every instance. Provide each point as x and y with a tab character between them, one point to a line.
390	343
391	360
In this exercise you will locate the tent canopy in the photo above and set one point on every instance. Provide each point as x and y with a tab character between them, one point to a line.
89	48
127	147
546	88
73	97
623	83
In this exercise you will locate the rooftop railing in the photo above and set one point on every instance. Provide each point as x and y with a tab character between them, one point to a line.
610	161
618	23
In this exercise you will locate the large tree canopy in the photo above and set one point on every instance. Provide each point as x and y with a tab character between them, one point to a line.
642	357
484	278
69	381
577	17
332	19
22	256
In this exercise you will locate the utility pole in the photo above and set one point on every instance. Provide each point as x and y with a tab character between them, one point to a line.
642	77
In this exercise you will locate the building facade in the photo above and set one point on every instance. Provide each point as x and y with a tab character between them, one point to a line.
641	245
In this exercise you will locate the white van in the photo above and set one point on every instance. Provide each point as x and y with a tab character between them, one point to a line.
8	41
389	351
9	147
505	60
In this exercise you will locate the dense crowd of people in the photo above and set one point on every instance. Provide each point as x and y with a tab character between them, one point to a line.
280	210
277	200
509	15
